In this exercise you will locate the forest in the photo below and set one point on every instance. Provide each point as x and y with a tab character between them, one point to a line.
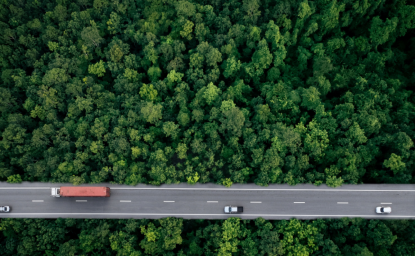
166	91
236	91
170	236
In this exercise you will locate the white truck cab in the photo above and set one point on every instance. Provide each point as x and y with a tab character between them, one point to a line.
55	192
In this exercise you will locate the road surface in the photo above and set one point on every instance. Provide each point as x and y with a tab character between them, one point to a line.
206	201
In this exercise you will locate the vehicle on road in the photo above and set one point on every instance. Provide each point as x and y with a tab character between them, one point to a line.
80	192
5	208
383	210
233	209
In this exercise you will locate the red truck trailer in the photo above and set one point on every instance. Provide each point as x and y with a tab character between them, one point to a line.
81	192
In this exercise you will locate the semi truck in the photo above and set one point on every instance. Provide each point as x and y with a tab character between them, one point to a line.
233	209
80	192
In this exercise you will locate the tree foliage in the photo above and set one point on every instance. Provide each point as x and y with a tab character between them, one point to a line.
237	92
233	236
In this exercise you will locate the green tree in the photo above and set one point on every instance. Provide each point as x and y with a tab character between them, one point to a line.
97	69
227	182
211	93
148	92
14	178
91	37
310	98
231	66
185	8
233	120
193	179
262	57
187	30
394	163
316	140
251	8
164	237
380	31
171	129
181	151
333	181
230	235
151	113
356	134
154	73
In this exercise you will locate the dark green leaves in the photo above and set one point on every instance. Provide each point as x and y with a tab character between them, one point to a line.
245	91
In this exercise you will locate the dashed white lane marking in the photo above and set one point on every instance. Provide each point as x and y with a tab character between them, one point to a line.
256	202
125	201
342	202
385	203
168	201
211	201
299	202
81	201
37	201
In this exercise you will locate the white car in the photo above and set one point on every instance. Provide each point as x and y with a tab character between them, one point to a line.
233	209
4	208
383	210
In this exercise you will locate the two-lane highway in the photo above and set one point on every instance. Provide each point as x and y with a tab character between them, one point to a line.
206	201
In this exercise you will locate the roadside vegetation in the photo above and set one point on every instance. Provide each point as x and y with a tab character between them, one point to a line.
170	236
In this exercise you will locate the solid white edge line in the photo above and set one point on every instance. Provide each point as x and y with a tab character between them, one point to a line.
211	201
81	201
201	214
385	203
125	201
169	201
256	202
299	202
342	202
249	189
37	201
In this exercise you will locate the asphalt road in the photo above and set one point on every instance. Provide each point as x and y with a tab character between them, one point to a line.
33	200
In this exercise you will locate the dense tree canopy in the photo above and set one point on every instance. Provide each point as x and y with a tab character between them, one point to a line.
228	91
170	236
